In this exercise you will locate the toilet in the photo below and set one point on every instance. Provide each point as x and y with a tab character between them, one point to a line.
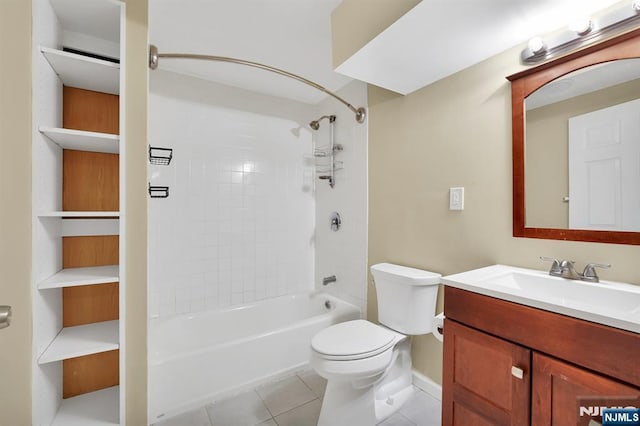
368	366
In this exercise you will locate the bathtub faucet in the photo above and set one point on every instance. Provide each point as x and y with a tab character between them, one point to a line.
328	280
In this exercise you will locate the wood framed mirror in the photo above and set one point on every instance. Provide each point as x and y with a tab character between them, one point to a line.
549	200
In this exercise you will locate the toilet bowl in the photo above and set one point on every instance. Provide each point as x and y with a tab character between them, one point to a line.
354	356
368	366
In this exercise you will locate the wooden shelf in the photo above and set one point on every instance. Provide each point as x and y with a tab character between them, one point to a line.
91	409
82	340
71	214
84	72
81	276
83	141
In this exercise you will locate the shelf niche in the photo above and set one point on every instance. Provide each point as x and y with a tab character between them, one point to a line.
76	204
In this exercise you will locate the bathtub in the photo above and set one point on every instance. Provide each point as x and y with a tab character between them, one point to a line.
195	359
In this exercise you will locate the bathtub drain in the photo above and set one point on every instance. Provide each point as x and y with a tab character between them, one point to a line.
327	304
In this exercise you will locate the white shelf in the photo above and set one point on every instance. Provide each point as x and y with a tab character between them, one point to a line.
80	214
91	409
83	141
84	72
82	340
81	276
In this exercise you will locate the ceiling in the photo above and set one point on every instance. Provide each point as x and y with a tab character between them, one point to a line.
295	35
438	38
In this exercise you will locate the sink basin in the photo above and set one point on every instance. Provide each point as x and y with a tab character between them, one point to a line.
610	303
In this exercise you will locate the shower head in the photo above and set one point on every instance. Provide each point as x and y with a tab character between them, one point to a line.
315	124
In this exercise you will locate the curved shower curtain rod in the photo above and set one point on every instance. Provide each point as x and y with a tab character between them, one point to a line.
154	55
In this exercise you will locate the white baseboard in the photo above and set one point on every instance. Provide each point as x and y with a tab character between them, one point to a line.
426	384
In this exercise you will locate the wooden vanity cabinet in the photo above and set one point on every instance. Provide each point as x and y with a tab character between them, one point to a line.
509	364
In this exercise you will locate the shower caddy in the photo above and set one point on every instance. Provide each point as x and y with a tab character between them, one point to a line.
327	171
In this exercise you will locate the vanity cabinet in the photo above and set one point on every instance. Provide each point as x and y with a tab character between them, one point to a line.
510	364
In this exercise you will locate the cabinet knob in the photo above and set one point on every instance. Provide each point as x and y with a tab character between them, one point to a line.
517	372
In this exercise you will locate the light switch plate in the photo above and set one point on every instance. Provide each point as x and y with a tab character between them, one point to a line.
456	198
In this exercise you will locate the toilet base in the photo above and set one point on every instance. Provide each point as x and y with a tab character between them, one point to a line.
346	403
343	405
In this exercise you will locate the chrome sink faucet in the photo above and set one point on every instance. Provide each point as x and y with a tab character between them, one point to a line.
566	269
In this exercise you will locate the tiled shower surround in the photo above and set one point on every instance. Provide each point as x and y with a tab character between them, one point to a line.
238	225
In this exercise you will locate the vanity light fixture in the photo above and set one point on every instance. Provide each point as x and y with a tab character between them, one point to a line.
582	26
536	50
536	45
583	32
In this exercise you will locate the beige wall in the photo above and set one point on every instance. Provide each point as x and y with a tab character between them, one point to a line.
15	210
456	132
356	22
547	152
136	216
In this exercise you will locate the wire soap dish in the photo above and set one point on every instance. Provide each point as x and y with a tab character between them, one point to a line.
160	156
158	191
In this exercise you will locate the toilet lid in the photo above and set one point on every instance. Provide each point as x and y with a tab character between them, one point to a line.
352	340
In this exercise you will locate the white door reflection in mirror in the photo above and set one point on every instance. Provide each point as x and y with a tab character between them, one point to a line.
604	169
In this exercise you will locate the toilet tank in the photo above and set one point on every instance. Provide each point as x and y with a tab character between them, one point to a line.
406	297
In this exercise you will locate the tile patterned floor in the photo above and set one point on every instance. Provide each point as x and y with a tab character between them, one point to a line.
295	401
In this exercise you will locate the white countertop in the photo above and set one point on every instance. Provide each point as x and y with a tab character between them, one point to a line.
609	303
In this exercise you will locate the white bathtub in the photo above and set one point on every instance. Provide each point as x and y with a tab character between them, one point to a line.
197	358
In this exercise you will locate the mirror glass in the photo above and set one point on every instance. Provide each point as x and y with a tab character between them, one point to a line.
582	150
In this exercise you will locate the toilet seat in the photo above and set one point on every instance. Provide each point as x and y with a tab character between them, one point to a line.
353	340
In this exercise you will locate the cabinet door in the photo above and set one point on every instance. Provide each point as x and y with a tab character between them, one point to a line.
564	394
486	380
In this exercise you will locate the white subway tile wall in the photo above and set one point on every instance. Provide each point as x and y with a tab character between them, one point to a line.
238	225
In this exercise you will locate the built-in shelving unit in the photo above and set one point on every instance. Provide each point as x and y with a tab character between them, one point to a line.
77	239
82	340
83	141
81	276
83	71
92	409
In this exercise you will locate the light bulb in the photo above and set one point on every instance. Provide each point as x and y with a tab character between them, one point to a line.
536	45
582	25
